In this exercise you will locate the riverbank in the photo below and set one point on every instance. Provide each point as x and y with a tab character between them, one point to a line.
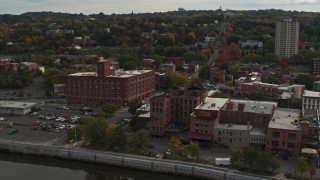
129	161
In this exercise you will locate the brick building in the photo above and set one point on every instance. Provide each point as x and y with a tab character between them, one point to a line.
258	113
217	75
109	85
170	112
5	66
204	118
268	90
310	124
315	66
284	133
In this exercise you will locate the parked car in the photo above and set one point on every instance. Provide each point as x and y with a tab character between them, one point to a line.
34	113
13	131
2	119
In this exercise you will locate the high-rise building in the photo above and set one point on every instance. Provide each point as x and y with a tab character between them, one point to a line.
287	38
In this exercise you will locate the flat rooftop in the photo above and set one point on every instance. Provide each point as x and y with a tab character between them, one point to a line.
146	115
311	94
284	118
260	107
212	103
16	104
233	127
257	132
118	73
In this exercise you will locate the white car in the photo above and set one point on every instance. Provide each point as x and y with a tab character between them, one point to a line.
34	113
2	119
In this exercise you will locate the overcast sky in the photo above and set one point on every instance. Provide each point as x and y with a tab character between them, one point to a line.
127	6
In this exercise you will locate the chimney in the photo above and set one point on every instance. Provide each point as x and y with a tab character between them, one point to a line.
104	68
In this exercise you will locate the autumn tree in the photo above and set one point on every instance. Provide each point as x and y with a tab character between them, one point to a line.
235	52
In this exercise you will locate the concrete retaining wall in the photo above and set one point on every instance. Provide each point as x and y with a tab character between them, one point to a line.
130	161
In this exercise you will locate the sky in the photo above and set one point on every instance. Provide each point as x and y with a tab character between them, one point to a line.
142	6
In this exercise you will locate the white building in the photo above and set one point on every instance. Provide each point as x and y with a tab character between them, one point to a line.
311	100
15	107
232	135
287	38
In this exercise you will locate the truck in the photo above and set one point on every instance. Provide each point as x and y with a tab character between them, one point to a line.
222	161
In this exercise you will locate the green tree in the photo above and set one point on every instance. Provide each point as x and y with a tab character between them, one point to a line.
233	69
271	58
139	141
173	79
204	72
273	80
306	79
192	149
175	145
302	165
76	133
257	97
118	139
110	108
132	109
219	95
196	82
96	133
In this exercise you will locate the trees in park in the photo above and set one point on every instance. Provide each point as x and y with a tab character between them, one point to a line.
253	159
302	165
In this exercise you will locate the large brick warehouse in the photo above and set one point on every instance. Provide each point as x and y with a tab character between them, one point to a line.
109	85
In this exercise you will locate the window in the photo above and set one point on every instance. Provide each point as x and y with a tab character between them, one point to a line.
291	145
219	132
292	136
275	143
275	134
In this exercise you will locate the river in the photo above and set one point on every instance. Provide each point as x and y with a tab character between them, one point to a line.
22	167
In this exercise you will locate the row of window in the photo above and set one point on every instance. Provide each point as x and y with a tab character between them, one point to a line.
276	144
276	134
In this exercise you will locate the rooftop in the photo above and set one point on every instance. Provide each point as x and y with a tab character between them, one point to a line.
260	107
212	103
284	118
233	127
257	132
118	73
146	115
311	93
16	104
312	116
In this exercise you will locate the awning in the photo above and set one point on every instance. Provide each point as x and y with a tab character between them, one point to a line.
309	151
199	136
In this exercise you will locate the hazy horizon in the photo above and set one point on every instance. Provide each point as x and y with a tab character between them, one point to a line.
145	6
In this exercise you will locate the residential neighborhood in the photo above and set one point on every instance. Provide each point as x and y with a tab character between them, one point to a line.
222	87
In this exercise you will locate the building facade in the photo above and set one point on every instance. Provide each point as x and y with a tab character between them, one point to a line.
258	113
204	118
170	112
109	85
217	75
284	134
15	107
287	38
315	66
233	136
311	100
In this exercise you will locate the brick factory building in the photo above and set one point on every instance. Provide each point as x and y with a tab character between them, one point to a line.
109	85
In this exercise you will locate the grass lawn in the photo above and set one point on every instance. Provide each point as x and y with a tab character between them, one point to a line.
301	69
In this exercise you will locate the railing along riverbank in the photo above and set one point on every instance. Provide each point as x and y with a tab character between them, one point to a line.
129	161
